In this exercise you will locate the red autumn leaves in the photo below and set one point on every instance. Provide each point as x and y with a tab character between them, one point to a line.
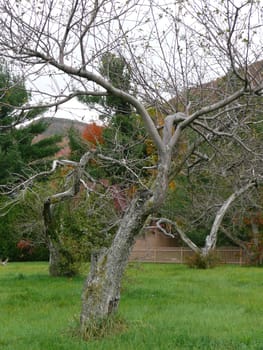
93	134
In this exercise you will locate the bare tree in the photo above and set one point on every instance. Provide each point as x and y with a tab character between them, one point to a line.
171	49
227	175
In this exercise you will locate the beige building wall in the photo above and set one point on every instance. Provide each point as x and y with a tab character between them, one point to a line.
153	240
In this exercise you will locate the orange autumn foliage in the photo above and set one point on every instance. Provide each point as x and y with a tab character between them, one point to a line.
172	185
93	133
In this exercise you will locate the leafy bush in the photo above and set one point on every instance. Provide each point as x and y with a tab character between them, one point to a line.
63	263
199	261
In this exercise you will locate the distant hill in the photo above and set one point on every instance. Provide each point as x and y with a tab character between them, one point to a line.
60	126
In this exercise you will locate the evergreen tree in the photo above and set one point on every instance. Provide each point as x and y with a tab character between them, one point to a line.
18	155
122	123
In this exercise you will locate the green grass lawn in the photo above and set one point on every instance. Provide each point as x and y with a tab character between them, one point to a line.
165	306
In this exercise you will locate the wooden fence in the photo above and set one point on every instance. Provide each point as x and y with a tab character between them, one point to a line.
179	255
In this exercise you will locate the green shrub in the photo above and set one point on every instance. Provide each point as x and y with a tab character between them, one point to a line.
63	263
199	261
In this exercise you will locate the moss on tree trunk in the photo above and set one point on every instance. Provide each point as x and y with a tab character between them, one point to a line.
101	292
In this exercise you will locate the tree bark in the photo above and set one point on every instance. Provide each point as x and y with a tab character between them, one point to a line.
101	292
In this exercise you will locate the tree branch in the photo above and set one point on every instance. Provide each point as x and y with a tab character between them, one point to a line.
181	233
211	239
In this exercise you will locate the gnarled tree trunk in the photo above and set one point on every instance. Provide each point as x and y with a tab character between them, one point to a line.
101	293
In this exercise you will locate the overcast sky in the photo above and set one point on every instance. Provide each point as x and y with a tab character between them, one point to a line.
44	86
74	110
